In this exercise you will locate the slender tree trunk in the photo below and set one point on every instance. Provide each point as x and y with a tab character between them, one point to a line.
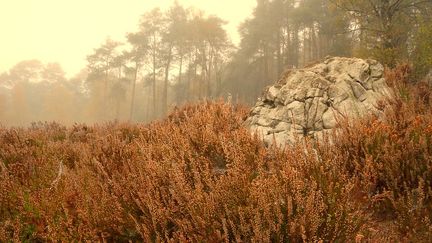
154	77
305	47
295	47
279	53
180	68
310	45
133	92
217	77
204	73
165	88
315	53
263	73
189	79
266	65
105	95
287	49
209	73
197	88
319	45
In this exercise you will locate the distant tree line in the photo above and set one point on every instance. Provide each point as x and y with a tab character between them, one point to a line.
182	55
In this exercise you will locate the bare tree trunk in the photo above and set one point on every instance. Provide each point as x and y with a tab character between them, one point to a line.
189	79
165	88
204	73
180	67
287	52
133	92
154	78
295	46
209	73
279	53
104	104
305	47
266	65
315	53
310	45
217	77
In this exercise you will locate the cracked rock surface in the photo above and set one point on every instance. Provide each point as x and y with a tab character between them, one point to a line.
309	101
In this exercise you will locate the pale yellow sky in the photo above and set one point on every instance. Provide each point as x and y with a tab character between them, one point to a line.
66	31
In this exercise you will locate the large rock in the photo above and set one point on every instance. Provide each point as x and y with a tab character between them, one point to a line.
309	101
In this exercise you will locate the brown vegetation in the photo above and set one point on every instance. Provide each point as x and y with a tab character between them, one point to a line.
200	176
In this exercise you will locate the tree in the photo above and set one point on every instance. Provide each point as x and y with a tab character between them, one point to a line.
52	73
25	71
31	82
137	56
19	105
58	103
186	40
284	34
422	55
102	61
118	94
383	26
100	65
152	26
3	105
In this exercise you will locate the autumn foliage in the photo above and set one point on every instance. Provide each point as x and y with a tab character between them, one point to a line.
199	176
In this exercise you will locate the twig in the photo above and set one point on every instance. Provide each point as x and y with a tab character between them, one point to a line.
59	174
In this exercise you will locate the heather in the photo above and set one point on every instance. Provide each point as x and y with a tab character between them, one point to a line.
200	176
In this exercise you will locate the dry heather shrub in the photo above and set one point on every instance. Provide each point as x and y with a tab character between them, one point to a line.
393	158
197	176
220	183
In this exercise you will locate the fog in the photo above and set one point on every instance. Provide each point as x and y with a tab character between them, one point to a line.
99	61
63	34
67	31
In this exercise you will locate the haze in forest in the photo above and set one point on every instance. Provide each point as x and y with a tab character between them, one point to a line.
66	31
103	61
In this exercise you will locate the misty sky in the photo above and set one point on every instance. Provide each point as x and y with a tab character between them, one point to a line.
66	31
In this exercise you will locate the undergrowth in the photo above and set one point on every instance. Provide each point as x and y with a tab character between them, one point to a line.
199	176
